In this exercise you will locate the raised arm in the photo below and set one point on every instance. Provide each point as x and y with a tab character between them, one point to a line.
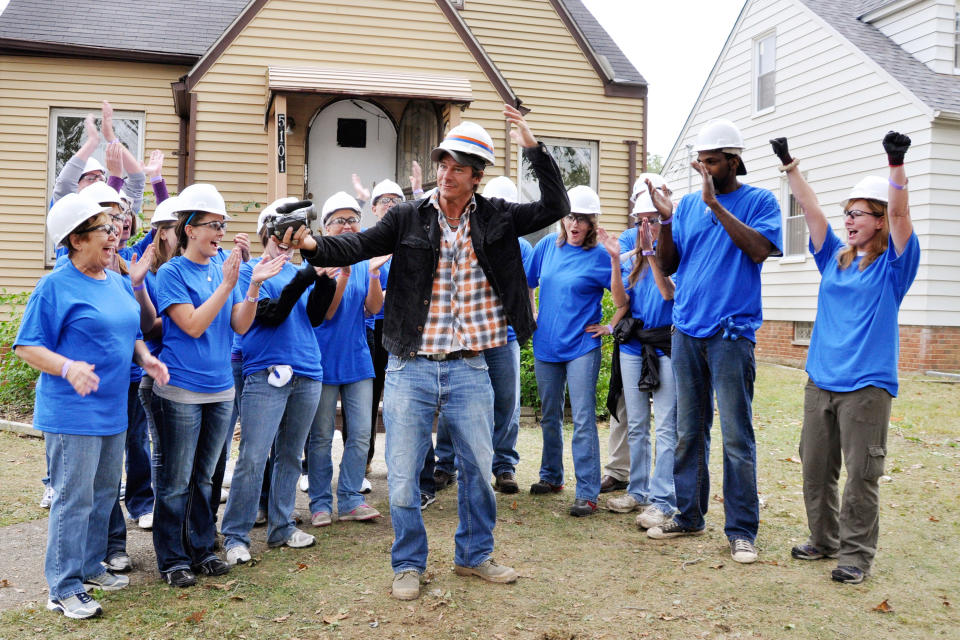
668	258
70	174
616	279
898	206
806	198
374	300
664	284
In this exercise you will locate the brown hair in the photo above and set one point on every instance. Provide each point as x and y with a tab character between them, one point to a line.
640	265
195	217
589	240
89	223
878	244
160	256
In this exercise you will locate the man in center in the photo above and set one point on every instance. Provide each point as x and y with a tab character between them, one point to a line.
463	284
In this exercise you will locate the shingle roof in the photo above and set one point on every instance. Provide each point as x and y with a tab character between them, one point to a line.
178	27
602	43
939	91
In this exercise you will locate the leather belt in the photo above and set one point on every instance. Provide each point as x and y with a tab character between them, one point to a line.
453	355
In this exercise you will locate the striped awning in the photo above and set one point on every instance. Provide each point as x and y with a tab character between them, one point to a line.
368	82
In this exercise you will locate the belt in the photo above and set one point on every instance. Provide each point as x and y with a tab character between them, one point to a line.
453	355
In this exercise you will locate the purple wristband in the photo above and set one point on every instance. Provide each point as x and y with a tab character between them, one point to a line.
667	221
65	368
610	328
649	252
898	187
139	287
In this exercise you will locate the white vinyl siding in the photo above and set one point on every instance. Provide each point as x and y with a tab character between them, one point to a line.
926	30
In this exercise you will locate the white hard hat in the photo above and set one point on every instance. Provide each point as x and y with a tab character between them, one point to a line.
204	198
869	188
339	200
166	211
721	135
68	213
466	139
102	192
501	187
643	202
92	165
384	187
584	200
271	210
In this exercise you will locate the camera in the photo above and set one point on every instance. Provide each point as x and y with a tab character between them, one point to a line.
292	215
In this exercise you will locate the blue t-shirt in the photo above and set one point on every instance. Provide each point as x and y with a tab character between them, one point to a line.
571	281
647	304
291	342
716	281
855	341
343	338
526	252
196	364
82	318
628	239
150	281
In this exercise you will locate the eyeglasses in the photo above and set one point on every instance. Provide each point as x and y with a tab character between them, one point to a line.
92	177
652	221
389	200
116	217
856	213
339	222
578	217
108	229
216	225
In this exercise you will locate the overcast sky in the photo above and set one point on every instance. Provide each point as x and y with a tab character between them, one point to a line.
673	44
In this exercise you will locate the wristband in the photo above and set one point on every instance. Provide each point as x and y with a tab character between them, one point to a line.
65	368
417	192
156	179
139	287
114	141
374	275
898	187
252	299
790	165
649	252
610	328
667	221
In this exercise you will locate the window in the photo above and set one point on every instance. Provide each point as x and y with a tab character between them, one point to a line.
764	67
417	135
66	137
794	226
579	165
956	39
802	332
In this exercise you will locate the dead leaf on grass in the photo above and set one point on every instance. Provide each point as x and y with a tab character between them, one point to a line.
226	586
281	618
934	519
170	624
717	566
792	459
724	628
196	617
883	607
183	596
4	583
666	618
238	598
514	505
300	567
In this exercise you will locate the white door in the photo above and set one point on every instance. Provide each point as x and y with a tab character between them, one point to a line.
347	137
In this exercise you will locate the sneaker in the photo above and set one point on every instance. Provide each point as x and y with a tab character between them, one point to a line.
107	581
321	519
238	555
304	483
506	482
224	494
180	578
442	479
623	504
848	575
79	607
118	561
541	487
652	516
581	508
489	571
212	567
426	500
743	551
45	502
261	518
406	585
145	521
807	551
300	539
365	486
672	529
363	512
123	491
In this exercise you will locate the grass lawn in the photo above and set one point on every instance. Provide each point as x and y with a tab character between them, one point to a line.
596	577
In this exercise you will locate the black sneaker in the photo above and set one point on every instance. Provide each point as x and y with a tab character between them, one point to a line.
180	578
809	552
672	529
541	487
426	500
848	575
443	479
581	508
212	567
506	482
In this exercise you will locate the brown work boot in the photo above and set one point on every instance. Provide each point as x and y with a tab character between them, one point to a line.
489	571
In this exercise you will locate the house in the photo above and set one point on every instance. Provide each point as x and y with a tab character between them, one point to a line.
268	98
834	77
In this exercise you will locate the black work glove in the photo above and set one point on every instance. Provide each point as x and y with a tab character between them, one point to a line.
896	145
780	149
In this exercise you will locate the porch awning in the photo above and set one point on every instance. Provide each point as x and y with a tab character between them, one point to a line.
368	82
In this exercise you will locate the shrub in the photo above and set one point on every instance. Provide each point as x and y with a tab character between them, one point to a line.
17	378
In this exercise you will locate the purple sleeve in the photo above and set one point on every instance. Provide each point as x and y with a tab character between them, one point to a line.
116	182
160	190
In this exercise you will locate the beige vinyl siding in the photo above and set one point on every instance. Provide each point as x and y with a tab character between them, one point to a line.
551	75
924	30
29	88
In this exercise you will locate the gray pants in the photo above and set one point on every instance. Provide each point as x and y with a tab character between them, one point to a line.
618	451
853	424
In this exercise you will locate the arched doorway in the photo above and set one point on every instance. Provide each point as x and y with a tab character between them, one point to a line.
347	137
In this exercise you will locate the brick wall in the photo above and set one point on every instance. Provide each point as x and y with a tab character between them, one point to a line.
921	348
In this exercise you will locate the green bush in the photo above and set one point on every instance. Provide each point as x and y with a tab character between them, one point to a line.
528	379
17	378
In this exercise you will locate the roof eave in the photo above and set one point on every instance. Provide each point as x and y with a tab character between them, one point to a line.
12	46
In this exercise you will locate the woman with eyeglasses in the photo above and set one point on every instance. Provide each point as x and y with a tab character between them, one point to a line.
571	271
81	329
347	375
201	308
852	359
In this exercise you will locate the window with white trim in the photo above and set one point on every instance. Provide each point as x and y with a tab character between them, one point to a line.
579	164
764	71
794	226
802	330
66	137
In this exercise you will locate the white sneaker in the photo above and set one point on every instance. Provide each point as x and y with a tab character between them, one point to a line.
238	555
651	517
145	521
224	494
119	562
304	483
622	504
78	607
365	486
743	551
123	490
299	539
46	500
228	473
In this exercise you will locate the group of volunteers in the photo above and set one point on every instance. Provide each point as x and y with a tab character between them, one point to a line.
151	352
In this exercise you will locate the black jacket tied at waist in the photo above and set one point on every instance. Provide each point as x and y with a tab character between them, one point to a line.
652	339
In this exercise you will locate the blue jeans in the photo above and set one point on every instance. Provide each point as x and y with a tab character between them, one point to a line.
84	472
356	400
278	417
580	376
191	440
504	369
655	489
415	388
703	366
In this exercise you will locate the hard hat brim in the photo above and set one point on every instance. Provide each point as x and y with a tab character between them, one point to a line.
460	157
